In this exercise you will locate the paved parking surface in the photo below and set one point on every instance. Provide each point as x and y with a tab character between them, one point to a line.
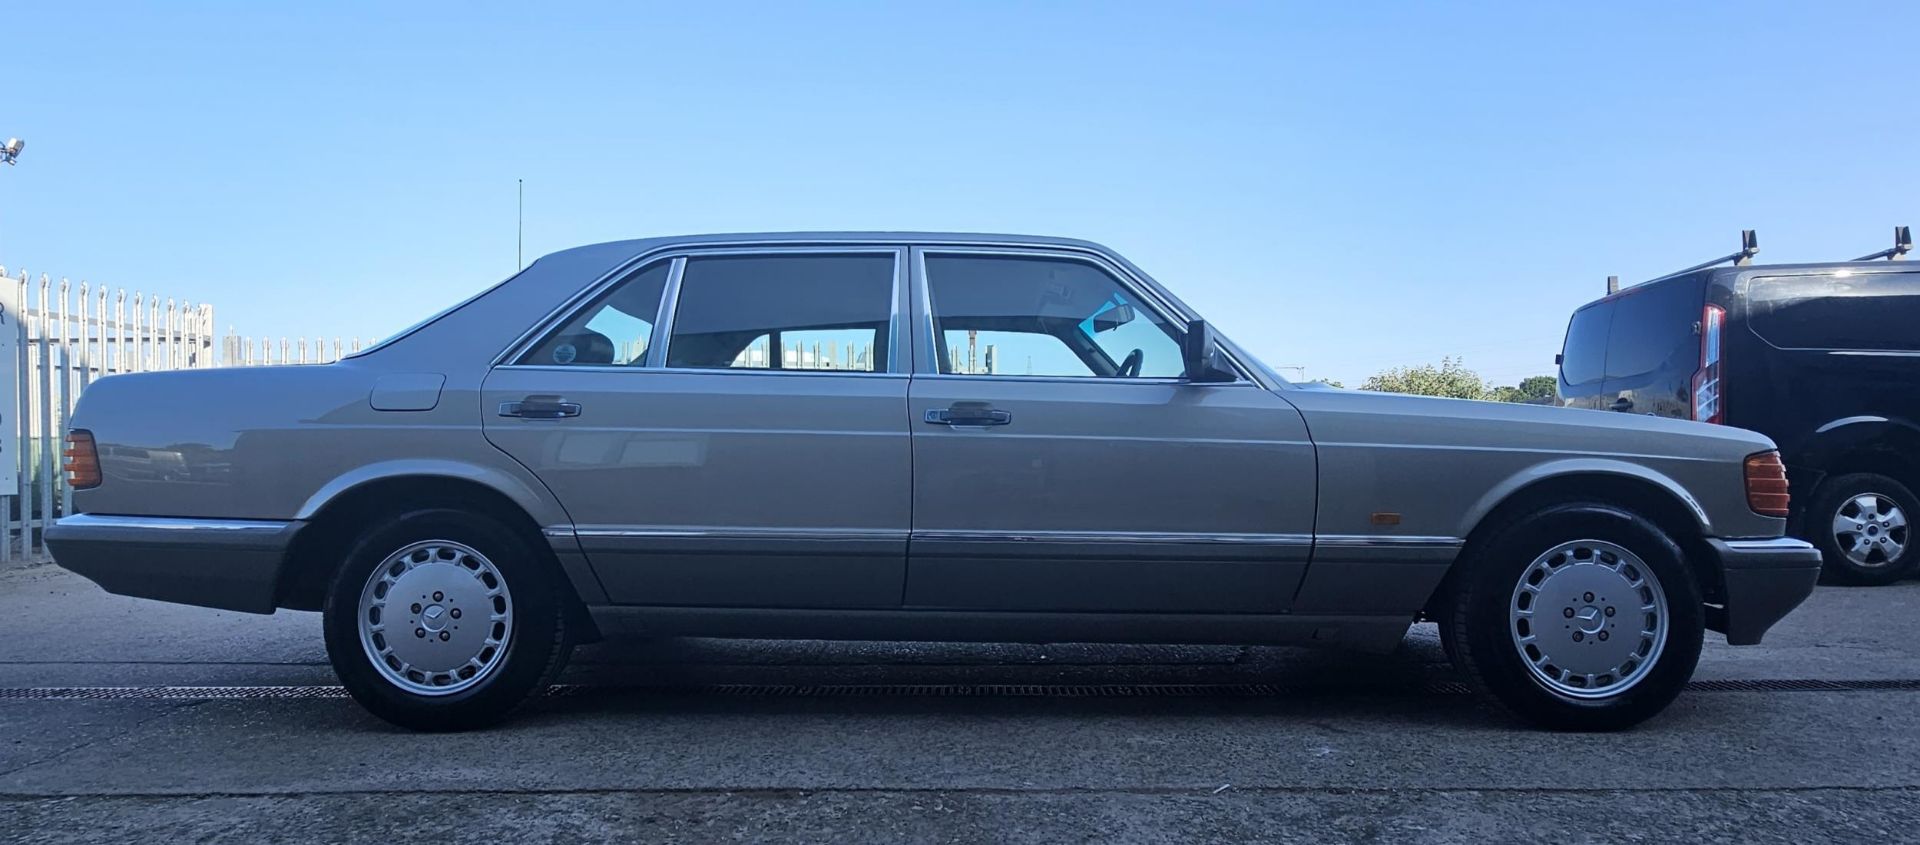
1076	743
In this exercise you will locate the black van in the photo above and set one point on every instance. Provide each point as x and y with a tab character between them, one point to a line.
1823	358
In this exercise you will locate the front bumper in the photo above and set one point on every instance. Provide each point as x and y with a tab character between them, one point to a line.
233	564
1765	580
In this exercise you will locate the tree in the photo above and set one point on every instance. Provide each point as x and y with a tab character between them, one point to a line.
1533	390
1450	379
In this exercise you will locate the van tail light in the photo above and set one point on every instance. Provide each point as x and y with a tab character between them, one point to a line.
1767	484
82	460
1709	390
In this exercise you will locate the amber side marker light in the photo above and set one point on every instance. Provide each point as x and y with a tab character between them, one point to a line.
1767	484
82	460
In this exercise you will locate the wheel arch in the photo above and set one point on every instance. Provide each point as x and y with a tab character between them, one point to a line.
1875	444
1644	492
334	518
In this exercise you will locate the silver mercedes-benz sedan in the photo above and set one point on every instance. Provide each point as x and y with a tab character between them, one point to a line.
909	436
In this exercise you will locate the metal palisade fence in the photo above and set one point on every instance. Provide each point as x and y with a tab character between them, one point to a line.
68	336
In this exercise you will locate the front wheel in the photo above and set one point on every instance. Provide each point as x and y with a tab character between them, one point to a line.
444	620
1578	617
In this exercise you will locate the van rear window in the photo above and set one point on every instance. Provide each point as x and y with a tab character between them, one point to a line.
1837	311
1583	359
1653	329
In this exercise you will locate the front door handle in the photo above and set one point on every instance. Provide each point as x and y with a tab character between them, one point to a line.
968	414
540	408
1623	404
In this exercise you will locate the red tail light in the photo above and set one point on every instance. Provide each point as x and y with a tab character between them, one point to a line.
1709	391
1767	484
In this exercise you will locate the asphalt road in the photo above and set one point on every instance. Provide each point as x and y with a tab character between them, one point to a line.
812	741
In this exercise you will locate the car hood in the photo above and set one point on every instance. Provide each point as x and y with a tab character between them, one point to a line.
1399	418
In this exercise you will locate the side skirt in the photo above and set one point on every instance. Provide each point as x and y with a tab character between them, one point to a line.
1378	634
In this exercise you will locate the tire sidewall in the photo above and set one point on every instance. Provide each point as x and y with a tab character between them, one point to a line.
533	648
1817	527
1485	645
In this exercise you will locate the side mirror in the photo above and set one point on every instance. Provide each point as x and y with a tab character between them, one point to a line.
1202	352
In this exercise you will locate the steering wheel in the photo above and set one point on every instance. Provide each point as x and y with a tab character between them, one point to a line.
1130	368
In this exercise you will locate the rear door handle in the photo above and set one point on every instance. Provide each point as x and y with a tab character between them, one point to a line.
1623	404
968	414
540	408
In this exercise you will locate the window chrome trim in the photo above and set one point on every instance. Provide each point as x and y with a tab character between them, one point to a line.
663	315
1120	275
170	523
657	353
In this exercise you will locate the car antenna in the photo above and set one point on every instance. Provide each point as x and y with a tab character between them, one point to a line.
1902	244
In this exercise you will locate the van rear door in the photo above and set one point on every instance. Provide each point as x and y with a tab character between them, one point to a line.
1583	358
1653	347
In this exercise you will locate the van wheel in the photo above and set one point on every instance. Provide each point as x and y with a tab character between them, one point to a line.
1861	522
1578	617
444	620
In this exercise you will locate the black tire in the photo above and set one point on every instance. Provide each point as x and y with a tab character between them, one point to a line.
1836	494
1484	645
535	645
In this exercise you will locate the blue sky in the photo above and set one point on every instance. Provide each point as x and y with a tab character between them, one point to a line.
1343	186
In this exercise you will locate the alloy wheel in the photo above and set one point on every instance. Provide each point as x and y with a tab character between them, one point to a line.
1589	619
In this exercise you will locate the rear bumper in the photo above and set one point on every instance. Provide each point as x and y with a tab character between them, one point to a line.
1765	580
233	564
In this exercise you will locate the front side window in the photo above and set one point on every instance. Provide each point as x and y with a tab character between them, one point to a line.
1039	316
784	312
613	331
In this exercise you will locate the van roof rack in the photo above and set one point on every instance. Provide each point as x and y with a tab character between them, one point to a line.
1749	246
1902	244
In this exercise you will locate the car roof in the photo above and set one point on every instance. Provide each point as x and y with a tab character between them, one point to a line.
639	245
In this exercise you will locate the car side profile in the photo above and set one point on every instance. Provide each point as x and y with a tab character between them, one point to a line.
909	437
1822	358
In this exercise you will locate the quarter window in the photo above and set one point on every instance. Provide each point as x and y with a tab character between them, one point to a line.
1018	315
1870	311
614	331
784	312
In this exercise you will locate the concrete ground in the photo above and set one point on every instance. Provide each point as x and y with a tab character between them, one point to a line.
1305	746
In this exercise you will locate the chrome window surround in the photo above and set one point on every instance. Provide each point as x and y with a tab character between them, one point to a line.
898	360
1148	297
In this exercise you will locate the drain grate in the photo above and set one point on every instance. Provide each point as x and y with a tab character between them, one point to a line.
160	693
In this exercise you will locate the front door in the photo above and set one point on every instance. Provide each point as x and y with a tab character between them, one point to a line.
1062	462
724	429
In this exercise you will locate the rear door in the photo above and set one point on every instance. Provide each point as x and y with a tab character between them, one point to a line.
1062	462
725	428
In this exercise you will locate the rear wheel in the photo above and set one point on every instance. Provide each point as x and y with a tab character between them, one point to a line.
1578	617
1860	522
444	620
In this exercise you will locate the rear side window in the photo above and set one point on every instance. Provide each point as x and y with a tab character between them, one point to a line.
1585	354
614	331
1653	330
1842	310
784	312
